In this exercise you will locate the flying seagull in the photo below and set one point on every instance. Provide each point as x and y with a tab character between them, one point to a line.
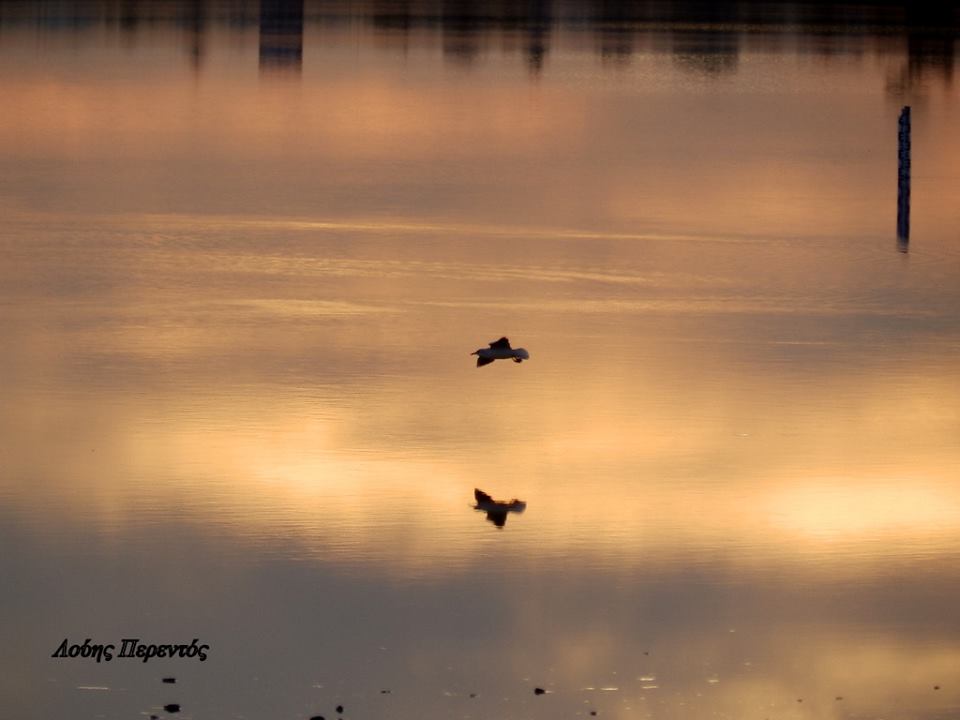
500	350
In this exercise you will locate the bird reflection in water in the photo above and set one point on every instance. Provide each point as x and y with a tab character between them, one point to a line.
497	510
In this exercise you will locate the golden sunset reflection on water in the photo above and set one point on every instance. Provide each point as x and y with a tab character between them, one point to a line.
245	255
632	464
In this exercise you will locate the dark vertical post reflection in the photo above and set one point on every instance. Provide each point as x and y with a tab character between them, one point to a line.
903	182
281	35
614	23
462	25
539	22
196	21
128	19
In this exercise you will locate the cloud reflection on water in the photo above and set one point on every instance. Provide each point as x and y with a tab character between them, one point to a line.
846	453
238	399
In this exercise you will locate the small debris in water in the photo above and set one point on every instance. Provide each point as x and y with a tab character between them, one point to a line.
169	680
339	708
318	717
539	691
839	697
384	692
172	708
473	695
593	712
936	687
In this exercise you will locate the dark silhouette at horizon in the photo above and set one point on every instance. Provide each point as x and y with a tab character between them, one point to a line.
281	35
704	37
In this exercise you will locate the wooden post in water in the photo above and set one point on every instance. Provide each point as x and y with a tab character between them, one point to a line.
903	182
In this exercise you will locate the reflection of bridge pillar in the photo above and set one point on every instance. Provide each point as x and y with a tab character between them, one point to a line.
281	34
903	182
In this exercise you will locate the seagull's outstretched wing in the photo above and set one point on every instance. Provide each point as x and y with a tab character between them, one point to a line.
501	344
497	517
481	361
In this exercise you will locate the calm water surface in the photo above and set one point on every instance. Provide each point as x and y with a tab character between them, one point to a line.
245	254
